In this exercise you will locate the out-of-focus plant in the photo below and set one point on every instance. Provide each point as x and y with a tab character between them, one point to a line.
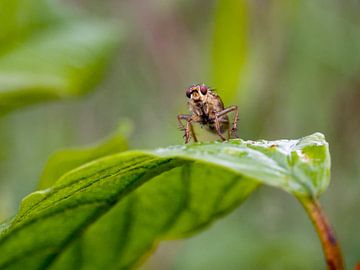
66	160
230	46
48	52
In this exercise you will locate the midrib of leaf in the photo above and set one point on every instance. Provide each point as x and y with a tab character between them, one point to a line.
138	179
140	162
101	185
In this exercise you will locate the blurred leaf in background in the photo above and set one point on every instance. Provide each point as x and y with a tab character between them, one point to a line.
230	46
65	160
47	52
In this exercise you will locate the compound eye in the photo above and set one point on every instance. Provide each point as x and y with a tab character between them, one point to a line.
203	89
188	92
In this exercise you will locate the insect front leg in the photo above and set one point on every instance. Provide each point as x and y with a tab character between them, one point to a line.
236	118
193	132
217	127
188	128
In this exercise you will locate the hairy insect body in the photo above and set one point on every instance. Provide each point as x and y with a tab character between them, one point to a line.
208	110
205	112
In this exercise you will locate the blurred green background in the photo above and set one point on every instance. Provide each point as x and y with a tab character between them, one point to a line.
293	67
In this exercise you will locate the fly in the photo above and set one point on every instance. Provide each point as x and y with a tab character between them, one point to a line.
207	109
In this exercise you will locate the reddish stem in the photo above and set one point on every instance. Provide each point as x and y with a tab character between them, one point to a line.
330	245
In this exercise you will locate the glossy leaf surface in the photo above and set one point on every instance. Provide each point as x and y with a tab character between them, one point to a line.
110	213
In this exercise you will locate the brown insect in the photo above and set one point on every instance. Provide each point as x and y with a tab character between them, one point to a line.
207	108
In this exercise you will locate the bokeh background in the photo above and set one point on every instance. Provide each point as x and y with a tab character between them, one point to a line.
292	67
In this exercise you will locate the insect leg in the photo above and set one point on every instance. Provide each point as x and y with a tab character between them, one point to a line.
193	133
182	117
217	127
236	118
188	128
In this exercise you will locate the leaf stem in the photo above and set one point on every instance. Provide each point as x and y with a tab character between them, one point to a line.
330	245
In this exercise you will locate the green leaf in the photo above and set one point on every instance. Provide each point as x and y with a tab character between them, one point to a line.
230	46
65	160
20	18
51	56
110	213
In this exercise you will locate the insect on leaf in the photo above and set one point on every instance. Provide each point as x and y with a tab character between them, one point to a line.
109	213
